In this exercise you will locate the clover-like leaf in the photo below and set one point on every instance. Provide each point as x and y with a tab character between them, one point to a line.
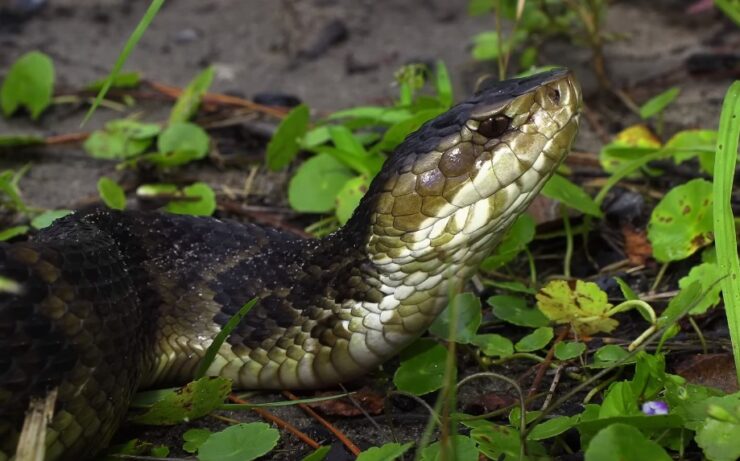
317	182
494	345
619	442
349	197
706	274
29	83
198	200
422	367
514	310
180	143
195	400
535	341
111	193
569	350
241	442
194	438
682	222
582	304
121	139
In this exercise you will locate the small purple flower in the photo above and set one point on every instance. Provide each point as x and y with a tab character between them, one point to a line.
655	407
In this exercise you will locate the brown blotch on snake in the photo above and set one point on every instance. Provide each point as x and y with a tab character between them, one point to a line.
111	302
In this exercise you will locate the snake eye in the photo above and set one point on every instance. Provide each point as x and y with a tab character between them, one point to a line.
493	127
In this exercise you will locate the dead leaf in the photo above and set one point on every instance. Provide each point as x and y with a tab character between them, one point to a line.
636	245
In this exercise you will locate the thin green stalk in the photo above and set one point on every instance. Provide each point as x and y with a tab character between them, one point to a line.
659	277
724	223
698	332
143	25
532	268
568	243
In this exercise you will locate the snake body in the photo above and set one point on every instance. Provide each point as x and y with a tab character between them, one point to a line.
113	301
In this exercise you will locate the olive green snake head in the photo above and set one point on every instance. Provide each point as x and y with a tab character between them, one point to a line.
110	302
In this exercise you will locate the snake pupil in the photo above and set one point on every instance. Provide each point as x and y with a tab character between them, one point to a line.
495	126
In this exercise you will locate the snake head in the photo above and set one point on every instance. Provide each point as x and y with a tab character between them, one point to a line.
463	177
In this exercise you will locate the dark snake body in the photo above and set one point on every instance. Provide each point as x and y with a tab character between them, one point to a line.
113	301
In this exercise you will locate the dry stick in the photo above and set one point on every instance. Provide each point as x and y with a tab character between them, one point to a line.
67	138
354	449
31	444
221	99
279	422
546	363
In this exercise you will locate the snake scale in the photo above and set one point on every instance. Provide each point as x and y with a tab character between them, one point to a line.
111	301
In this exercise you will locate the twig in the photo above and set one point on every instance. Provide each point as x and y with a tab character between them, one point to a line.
67	138
354	449
264	414
31	444
546	363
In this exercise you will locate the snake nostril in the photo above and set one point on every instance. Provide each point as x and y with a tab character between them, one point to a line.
554	95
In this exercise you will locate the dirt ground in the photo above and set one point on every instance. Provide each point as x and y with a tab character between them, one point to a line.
331	54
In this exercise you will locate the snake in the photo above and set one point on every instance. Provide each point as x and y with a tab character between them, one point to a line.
109	302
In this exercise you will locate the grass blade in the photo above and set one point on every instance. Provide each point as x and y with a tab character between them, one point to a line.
127	49
724	223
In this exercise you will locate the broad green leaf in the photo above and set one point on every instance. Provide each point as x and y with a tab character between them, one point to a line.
343	139
199	200
46	218
535	341
422	367
465	450
111	193
387	452
398	131
29	83
285	143
349	197
501	442
10	232
180	143
629	144
620	442
705	274
515	241
719	439
195	400
9	186
657	104
552	427
187	104
121	139
561	189
241	442
468	317
694	143
609	355
514	310
619	400
194	438
317	182
567	350
681	223
494	345
20	140
581	304
649	377
590	423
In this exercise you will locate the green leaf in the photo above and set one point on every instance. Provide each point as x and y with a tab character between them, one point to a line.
46	218
122	80
681	223
398	132
620	442
111	193
187	104
467	317
535	341
194	438
193	401
609	355
387	452
514	310
29	83
180	143
443	85
317	182
377	114
318	455
515	241
20	140
465	450
552	427
10	232
719	439
581	304
657	104
201	201
627	291
241	442
349	197
705	274
494	345
285	143
9	186
560	188
633	142
619	400
422	367
121	139
569	350
694	143
500	442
